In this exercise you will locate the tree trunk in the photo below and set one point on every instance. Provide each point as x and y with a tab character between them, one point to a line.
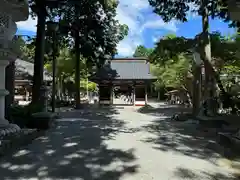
39	57
59	89
54	72
9	84
197	90
189	96
211	76
216	76
227	100
209	84
77	71
159	95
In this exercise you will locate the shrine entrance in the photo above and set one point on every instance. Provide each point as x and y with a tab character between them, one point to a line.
124	82
123	94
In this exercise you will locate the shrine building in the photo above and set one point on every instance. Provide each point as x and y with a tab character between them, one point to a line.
130	77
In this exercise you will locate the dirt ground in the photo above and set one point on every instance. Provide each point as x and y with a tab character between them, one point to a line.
119	144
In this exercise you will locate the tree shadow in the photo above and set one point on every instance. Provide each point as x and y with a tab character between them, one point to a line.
74	149
184	173
163	110
181	137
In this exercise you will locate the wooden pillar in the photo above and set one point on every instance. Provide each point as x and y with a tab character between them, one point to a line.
134	95
28	94
99	93
146	95
10	87
111	95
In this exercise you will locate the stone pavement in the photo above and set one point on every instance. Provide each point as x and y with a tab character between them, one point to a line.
117	144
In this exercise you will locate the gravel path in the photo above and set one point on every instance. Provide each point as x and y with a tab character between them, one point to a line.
117	144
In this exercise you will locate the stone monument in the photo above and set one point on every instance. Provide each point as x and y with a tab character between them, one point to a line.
11	11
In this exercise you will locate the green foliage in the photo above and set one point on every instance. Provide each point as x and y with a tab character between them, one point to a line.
142	51
88	85
173	74
27	49
179	10
89	25
224	49
51	8
169	47
170	73
98	30
65	63
66	68
22	115
25	110
172	59
92	87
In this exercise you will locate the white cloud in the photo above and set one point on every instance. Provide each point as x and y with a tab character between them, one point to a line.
130	14
155	39
136	14
160	24
29	25
137	4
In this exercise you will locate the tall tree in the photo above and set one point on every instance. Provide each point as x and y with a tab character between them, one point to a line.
225	55
95	32
41	10
169	10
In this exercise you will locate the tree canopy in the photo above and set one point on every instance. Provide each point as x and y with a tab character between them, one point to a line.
142	51
180	10
89	26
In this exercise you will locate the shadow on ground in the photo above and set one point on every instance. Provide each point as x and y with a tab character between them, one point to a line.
74	150
163	110
184	173
182	137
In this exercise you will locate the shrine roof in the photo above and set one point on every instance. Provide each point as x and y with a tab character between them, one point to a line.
25	69
125	69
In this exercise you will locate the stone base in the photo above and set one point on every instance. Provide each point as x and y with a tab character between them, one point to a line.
6	130
3	123
237	134
229	140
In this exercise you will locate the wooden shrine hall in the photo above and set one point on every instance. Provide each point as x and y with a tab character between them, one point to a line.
130	77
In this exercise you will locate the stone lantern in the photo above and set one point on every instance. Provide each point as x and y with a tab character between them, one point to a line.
11	11
234	9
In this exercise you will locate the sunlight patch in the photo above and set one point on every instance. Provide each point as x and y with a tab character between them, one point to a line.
5	165
69	144
14	167
27	166
42	173
71	156
49	152
21	153
72	120
64	162
42	168
22	167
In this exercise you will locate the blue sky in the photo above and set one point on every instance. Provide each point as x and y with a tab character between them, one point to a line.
145	27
